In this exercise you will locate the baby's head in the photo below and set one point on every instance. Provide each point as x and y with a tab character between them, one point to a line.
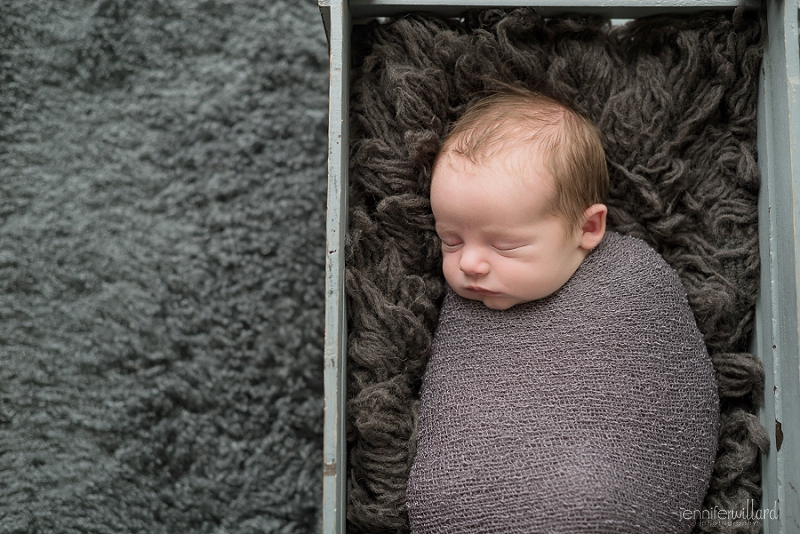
517	193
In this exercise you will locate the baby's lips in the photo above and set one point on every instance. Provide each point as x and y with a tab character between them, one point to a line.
482	291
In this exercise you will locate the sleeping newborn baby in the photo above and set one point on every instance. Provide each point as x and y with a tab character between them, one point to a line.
568	389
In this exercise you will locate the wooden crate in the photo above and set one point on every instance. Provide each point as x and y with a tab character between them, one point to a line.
777	330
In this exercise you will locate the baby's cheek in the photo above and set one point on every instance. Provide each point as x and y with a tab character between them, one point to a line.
450	266
516	272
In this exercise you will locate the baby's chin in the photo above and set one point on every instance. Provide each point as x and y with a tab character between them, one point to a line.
500	302
500	306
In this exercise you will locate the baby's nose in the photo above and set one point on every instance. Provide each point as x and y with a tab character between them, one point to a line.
473	261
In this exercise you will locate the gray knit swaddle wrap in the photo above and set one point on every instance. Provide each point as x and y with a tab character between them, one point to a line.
592	410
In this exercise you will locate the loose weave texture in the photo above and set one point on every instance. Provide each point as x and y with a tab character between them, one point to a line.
592	410
676	100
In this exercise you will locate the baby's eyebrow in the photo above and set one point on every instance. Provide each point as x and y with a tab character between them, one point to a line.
444	228
505	234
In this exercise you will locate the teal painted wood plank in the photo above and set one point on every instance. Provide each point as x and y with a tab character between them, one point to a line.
777	338
335	372
764	333
610	8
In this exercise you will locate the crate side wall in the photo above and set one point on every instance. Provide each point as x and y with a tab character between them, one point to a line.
774	320
335	351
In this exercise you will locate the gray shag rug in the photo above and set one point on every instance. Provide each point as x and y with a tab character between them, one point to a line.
676	99
162	210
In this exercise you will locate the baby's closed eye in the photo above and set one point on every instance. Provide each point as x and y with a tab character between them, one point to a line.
451	244
508	247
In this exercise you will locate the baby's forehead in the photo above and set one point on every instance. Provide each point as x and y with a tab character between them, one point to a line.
490	138
521	162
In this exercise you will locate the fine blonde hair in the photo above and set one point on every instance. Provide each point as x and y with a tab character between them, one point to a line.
569	143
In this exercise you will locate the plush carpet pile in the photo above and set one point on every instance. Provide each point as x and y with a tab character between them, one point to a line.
676	99
162	208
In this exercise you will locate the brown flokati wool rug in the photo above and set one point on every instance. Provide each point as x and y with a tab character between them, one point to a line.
676	99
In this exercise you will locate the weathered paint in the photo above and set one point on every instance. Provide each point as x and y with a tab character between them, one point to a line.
335	372
621	9
777	336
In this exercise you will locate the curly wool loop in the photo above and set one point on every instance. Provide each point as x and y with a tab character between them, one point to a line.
676	100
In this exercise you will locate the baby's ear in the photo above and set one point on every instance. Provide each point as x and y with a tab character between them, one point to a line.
594	226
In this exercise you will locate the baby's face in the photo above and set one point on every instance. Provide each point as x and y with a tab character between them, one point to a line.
500	243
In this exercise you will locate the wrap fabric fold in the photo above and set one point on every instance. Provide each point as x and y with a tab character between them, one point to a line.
594	409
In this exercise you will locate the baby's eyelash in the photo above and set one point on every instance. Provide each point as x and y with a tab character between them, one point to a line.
506	248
